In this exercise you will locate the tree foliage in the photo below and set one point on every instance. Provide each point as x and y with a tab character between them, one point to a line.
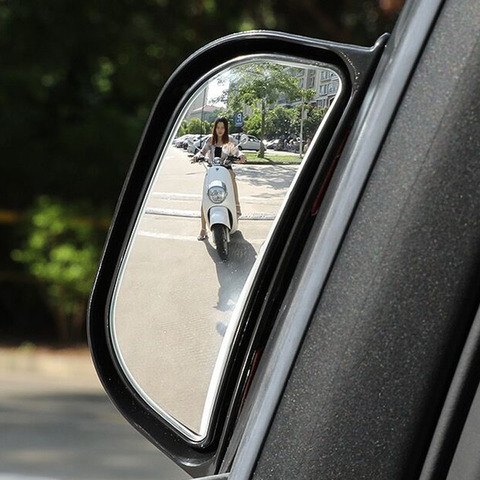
196	126
79	78
313	116
77	82
265	82
59	251
281	120
259	86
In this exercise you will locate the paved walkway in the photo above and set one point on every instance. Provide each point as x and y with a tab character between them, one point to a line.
57	423
58	363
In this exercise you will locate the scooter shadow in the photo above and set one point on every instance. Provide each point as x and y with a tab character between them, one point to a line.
233	273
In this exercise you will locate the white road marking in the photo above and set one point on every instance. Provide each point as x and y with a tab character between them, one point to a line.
196	214
191	196
175	196
166	236
170	212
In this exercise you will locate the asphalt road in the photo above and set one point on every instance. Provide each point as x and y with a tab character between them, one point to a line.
57	423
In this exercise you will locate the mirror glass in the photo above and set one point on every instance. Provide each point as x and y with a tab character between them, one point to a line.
181	290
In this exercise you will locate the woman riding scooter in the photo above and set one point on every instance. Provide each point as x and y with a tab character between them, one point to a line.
214	148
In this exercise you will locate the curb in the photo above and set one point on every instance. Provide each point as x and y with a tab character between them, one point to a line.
71	363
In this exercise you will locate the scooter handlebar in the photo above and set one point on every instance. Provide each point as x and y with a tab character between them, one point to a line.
227	161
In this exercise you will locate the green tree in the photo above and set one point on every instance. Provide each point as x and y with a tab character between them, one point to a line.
195	125
260	86
78	79
253	123
183	129
60	254
314	117
281	120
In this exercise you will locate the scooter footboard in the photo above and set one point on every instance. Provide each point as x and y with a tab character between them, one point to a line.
219	215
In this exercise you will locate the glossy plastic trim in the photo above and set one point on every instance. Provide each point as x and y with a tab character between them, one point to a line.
356	63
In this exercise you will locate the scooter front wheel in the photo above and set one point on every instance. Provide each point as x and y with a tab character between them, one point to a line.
220	237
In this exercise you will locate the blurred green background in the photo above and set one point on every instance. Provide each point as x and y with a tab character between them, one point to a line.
77	81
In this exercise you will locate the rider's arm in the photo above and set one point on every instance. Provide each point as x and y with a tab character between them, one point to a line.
202	152
237	152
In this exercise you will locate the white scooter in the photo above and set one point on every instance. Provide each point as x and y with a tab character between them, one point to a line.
218	201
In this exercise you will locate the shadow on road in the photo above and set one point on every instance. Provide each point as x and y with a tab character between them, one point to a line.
233	273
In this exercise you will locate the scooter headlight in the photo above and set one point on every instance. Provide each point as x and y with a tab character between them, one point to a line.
217	193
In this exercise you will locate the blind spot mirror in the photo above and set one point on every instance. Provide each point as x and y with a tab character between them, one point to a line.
210	210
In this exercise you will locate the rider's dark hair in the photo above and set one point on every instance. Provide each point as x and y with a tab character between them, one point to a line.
225	137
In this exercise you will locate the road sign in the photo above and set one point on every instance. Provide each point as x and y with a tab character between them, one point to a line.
238	119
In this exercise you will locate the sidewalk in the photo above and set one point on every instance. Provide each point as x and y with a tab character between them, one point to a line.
70	366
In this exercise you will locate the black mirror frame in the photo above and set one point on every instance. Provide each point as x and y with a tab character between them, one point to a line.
356	65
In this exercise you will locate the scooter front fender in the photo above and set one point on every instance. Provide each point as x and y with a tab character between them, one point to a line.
219	215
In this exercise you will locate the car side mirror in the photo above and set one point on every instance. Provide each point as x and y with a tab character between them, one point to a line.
175	329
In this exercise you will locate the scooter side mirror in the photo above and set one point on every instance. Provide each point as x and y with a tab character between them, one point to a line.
174	331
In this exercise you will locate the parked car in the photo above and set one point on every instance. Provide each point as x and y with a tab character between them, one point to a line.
189	138
178	142
185	140
196	143
247	142
273	144
354	352
293	144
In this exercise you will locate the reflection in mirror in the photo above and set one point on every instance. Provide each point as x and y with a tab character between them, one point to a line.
183	282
